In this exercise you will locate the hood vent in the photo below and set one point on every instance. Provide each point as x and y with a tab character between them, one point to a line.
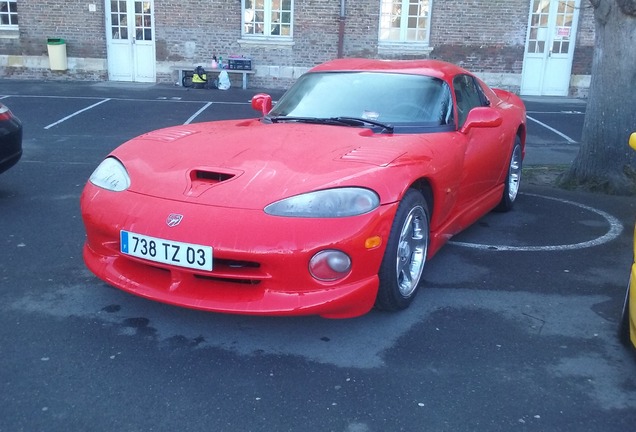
200	180
373	155
211	176
169	135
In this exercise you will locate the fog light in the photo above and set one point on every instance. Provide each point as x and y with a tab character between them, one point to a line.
330	265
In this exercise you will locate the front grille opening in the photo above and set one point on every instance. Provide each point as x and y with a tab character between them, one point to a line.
236	264
218	263
228	280
244	273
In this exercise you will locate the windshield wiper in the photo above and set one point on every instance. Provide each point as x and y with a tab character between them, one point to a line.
313	120
343	121
357	121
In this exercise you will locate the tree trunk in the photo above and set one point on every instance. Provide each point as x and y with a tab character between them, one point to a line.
605	162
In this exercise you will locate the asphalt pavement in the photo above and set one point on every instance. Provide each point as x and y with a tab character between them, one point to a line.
514	329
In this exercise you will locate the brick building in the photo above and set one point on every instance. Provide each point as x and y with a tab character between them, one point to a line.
534	47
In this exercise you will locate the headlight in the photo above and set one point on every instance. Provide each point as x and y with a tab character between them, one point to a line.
328	203
111	175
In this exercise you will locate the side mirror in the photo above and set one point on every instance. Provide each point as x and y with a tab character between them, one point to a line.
632	140
262	102
482	117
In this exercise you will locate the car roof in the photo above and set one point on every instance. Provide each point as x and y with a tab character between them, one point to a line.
435	68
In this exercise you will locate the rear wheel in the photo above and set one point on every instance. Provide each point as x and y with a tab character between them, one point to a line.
186	81
513	179
405	255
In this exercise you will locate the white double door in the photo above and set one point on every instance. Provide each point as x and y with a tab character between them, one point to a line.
547	62
130	35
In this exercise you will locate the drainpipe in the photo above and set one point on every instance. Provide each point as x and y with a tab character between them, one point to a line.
341	29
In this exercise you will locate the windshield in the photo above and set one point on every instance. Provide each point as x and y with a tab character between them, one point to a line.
384	97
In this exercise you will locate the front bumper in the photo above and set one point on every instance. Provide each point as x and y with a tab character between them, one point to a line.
260	261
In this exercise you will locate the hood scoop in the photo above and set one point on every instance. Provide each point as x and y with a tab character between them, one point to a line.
202	179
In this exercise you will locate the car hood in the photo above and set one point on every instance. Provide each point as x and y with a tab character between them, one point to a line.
249	164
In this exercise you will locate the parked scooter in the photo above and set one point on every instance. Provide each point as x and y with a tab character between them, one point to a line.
198	79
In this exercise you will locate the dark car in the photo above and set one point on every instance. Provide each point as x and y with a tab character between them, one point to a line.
10	139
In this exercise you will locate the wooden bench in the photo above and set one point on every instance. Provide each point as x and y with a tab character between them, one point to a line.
182	69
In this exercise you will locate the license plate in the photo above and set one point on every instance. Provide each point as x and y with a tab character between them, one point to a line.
171	252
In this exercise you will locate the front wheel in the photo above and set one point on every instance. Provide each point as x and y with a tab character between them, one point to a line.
405	255
513	179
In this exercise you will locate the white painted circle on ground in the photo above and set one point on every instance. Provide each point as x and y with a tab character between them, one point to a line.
614	231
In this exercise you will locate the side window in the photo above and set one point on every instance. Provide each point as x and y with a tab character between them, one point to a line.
8	13
267	18
468	95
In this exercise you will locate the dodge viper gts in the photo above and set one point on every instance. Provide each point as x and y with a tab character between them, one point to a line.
329	202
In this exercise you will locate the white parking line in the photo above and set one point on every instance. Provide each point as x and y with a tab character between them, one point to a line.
48	162
615	230
567	138
76	113
188	121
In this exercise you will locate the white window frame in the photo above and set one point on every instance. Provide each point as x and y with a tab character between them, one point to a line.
403	42
270	7
8	4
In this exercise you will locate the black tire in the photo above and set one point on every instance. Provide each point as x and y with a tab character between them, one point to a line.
513	179
405	255
186	81
623	326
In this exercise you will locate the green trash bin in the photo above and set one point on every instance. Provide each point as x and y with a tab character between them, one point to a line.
57	54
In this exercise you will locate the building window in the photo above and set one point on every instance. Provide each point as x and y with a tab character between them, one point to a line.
267	18
8	13
143	21
405	21
119	19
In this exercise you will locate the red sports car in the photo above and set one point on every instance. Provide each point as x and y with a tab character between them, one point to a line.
328	204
